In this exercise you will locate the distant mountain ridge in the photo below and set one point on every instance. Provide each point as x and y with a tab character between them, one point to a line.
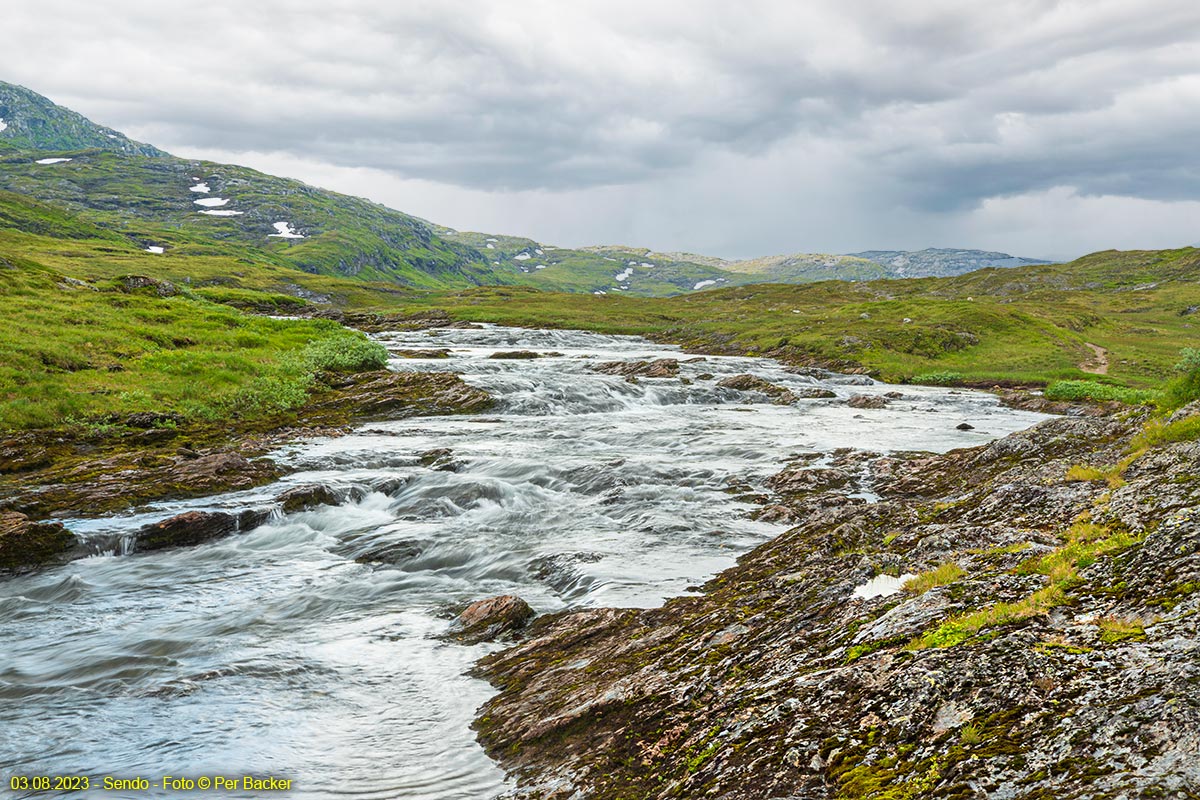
55	155
939	262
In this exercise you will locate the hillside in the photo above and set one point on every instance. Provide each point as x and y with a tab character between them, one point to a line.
941	262
1024	324
29	121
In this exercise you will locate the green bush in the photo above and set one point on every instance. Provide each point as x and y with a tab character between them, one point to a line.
940	379
344	351
1100	392
1185	388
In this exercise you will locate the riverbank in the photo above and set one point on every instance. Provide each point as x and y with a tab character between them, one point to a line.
149	458
1046	647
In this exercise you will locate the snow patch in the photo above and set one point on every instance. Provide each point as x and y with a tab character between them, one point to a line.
211	202
225	213
491	239
283	230
3	124
539	251
599	291
491	246
522	257
647	264
625	275
536	266
882	586
202	188
702	284
154	249
51	160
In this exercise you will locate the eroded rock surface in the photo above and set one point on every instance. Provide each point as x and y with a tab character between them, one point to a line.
490	619
1057	656
25	544
660	368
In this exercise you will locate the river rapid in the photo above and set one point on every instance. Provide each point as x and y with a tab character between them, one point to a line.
306	648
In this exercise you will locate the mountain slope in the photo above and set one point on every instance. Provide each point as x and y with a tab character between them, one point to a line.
29	121
937	262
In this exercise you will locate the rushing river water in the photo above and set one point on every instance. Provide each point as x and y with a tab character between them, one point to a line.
304	648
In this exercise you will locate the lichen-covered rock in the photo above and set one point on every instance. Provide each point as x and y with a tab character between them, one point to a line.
1056	656
25	544
490	619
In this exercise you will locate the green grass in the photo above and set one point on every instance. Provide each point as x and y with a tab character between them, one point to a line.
85	352
1022	325
1083	544
1094	390
941	575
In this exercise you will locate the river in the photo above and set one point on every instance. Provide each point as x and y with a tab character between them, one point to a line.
306	647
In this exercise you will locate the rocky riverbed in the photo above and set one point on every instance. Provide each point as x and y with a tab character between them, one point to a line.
1046	647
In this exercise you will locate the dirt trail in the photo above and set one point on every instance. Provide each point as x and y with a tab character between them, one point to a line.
1098	363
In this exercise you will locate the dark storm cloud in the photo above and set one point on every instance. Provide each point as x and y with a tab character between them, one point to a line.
928	106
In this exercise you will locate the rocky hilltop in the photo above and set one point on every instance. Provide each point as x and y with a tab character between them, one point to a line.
29	121
1017	620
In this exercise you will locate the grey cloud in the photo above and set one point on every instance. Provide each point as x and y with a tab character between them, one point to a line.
930	107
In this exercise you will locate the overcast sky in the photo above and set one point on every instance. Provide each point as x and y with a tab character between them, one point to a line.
730	128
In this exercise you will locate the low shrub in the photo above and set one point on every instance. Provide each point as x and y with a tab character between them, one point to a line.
1099	392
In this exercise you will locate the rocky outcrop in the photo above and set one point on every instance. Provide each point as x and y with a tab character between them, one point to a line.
515	355
487	620
1049	648
308	496
752	383
440	352
868	401
383	394
123	479
660	368
25	544
196	527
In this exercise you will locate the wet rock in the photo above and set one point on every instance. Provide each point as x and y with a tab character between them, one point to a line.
964	426
867	401
186	529
487	620
440	458
303	498
25	544
809	479
389	552
441	352
813	392
515	354
382	394
660	368
752	383
893	395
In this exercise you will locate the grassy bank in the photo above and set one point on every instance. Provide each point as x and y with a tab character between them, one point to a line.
1031	324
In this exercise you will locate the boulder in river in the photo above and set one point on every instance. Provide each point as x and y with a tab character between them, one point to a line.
441	352
515	355
659	368
25	544
487	620
196	527
867	401
302	498
752	383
